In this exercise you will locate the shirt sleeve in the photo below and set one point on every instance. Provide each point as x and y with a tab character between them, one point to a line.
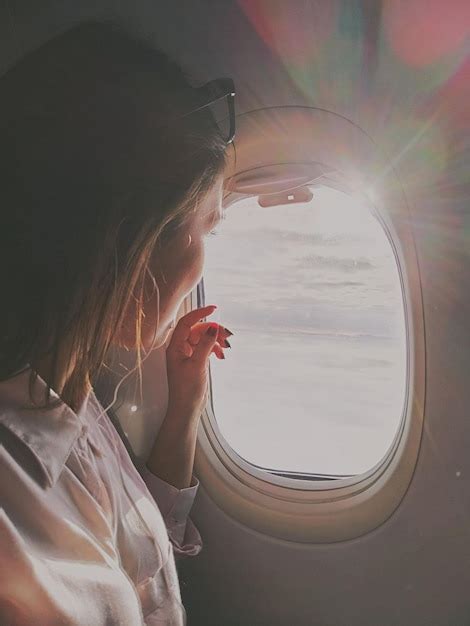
174	505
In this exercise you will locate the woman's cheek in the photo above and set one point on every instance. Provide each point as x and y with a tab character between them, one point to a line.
193	266
199	267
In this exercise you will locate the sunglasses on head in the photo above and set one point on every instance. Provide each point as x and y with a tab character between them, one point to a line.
219	95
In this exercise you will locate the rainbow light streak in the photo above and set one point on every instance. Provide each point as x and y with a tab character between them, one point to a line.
400	69
415	102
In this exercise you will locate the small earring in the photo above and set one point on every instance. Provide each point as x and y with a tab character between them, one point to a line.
189	240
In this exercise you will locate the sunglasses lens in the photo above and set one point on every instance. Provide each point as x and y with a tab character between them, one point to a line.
221	114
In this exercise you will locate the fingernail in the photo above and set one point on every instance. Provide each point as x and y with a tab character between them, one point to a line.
212	331
227	345
229	332
223	356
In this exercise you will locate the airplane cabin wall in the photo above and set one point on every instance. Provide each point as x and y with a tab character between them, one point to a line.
413	569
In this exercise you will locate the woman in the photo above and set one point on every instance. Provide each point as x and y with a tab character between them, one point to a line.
112	175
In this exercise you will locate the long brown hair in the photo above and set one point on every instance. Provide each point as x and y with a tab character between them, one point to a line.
96	169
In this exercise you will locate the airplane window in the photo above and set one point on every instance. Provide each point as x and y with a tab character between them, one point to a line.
315	380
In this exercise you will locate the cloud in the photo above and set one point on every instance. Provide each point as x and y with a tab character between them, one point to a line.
334	284
353	264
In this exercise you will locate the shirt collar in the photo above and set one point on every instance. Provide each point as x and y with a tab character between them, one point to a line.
49	433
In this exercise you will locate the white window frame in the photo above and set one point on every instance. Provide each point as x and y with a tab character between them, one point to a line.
333	510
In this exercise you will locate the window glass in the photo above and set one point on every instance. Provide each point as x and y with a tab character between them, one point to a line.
315	380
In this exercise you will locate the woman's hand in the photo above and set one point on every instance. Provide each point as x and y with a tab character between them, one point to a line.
187	358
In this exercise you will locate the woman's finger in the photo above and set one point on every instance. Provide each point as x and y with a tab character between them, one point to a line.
199	329
217	350
196	314
206	344
183	327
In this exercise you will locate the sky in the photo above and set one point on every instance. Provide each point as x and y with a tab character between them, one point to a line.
315	379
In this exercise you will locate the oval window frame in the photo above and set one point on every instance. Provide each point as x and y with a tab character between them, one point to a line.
329	511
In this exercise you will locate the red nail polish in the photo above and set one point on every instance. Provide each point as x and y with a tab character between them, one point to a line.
229	332
212	331
226	344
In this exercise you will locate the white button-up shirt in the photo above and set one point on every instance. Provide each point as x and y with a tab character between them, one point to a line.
84	538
